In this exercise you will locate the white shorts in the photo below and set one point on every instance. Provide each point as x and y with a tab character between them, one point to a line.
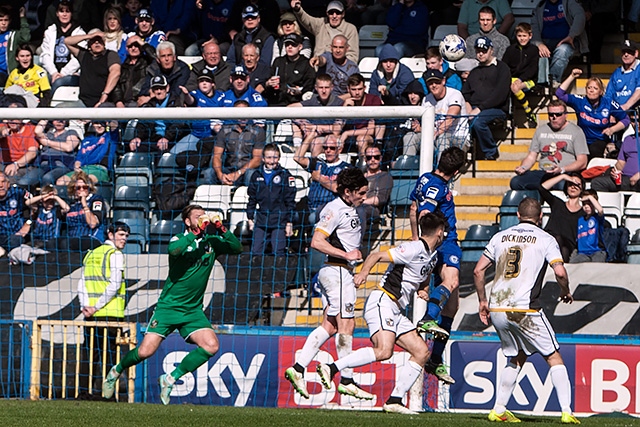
382	312
338	291
529	332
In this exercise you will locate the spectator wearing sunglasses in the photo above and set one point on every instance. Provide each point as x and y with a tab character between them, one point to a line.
324	29
133	72
252	32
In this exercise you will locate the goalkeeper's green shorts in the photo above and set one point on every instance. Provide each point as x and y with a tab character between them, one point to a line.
163	322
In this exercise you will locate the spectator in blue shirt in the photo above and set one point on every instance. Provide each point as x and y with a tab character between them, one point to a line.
174	17
241	90
13	226
590	231
50	211
408	22
624	83
85	218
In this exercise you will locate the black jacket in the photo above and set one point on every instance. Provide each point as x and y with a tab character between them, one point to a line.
175	130
220	75
292	73
132	77
276	199
522	61
488	87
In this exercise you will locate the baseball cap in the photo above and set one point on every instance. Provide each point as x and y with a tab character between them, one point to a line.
145	14
335	5
629	45
250	11
239	70
483	42
159	81
205	74
288	16
293	38
432	75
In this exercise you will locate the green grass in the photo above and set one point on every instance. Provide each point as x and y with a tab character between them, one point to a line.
99	414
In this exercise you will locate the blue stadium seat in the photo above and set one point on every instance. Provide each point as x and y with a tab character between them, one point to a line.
475	241
406	167
167	166
399	202
134	198
135	165
127	213
105	189
508	214
160	234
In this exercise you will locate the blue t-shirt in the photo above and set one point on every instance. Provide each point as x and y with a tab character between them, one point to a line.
593	120
590	238
4	44
11	207
202	128
319	195
554	22
432	194
622	84
252	96
47	225
77	221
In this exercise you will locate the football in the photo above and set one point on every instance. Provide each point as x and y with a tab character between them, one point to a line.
453	48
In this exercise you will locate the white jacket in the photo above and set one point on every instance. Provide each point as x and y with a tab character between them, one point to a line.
48	47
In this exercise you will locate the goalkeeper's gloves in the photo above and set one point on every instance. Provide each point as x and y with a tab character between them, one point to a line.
215	227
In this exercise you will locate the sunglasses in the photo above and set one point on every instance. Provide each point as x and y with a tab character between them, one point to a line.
287	22
334	12
144	19
329	147
132	45
555	115
376	157
250	18
82	187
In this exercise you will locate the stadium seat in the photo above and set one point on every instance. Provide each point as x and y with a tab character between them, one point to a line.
417	65
65	94
441	32
284	132
238	207
139	235
598	161
371	36
475	241
105	189
119	214
399	201
214	198
367	65
405	167
167	166
160	234
613	206
631	217
133	198
633	249
508	214
135	164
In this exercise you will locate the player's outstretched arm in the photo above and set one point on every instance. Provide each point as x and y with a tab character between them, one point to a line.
478	279
373	258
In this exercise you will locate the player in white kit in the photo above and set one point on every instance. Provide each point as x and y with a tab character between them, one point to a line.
338	235
521	254
410	269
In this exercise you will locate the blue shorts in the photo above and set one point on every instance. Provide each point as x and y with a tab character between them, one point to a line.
449	253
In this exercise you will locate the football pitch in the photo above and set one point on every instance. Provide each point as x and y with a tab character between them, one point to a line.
83	413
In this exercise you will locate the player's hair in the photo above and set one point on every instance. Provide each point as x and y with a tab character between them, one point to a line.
598	82
323	77
590	192
241	102
48	189
487	9
529	208
451	160
77	176
355	79
433	52
351	179
524	27
188	209
165	45
4	11
575	174
119	226
432	222
557	103
271	147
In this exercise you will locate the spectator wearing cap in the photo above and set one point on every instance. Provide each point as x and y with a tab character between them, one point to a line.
175	19
390	78
176	72
252	32
212	60
100	70
336	64
468	18
242	90
212	20
451	125
146	30
259	72
269	15
291	75
158	136
408	23
487	21
624	83
55	57
289	25
133	72
205	96
325	29
486	92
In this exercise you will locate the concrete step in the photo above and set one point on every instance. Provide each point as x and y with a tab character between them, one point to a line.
603	69
477	200
499	165
485	186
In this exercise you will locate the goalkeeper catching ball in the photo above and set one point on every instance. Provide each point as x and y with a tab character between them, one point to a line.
191	258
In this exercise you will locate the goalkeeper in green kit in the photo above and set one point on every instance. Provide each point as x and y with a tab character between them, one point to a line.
191	259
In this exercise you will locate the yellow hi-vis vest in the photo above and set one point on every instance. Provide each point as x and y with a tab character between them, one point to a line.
97	272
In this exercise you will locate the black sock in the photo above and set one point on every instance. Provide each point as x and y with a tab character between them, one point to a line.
394	400
334	370
298	367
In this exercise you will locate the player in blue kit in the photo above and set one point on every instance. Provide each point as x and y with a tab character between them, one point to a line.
432	194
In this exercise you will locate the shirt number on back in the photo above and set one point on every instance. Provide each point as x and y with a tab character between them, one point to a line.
514	258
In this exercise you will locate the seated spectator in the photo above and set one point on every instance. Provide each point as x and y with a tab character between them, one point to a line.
624	175
242	144
464	67
291	75
451	125
114	35
175	17
176	72
241	90
146	30
289	25
100	70
362	131
560	146
486	93
559	31
378	193
55	56
252	32
159	136
19	151
259	72
129	15
11	39
624	83
590	241
412	128
212	60
59	146
408	22
272	193
487	21
325	29
390	78
50	210
434	61
96	155
595	113
30	77
468	18
205	96
522	59
133	72
336	64
13	227
212	23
